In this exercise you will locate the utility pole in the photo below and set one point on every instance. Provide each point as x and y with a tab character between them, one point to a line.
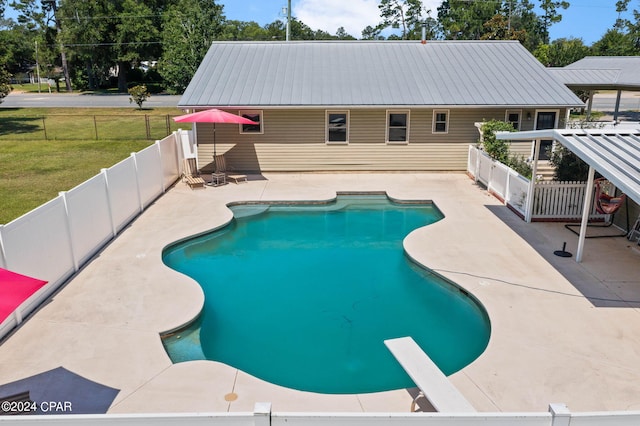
288	20
37	67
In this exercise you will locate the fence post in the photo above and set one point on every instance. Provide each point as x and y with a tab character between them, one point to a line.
105	172
262	414
76	266
3	258
135	165
560	415
532	183
477	173
95	126
44	127
164	189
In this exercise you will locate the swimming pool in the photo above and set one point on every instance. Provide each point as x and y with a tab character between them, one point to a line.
303	296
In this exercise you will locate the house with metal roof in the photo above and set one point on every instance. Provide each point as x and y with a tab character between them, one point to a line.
360	105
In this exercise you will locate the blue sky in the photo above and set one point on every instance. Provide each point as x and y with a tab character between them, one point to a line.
586	19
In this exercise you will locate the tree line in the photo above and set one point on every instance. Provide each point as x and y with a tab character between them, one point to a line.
88	45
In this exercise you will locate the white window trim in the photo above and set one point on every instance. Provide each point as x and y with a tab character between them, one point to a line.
252	112
397	111
514	111
535	126
446	124
535	115
326	126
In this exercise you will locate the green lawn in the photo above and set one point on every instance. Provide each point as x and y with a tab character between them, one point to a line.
34	169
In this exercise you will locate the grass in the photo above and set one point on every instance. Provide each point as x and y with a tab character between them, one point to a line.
33	170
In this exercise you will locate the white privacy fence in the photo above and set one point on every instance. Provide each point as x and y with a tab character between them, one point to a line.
55	240
550	201
558	415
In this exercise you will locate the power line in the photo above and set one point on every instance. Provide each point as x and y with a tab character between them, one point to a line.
110	44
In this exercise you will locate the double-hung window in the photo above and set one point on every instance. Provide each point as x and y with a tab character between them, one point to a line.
252	115
513	116
440	121
398	126
337	127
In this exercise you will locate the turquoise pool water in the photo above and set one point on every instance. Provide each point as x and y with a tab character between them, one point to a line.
303	296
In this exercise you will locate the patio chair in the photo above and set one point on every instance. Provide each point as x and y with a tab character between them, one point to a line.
190	175
221	167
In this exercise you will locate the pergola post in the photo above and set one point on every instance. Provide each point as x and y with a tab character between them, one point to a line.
617	109
586	210
590	104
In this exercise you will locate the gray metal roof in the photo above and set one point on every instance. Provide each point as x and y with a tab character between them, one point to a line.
373	74
602	72
613	154
601	79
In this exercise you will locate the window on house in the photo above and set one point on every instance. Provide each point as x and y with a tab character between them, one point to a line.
513	117
337	126
252	128
440	121
398	126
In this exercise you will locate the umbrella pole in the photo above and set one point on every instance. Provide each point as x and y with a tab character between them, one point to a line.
215	163
214	139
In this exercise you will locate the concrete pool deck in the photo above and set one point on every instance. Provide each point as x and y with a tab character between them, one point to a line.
561	331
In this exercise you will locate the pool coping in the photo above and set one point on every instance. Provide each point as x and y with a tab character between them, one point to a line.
105	323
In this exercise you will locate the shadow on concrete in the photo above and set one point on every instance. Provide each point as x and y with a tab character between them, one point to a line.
608	274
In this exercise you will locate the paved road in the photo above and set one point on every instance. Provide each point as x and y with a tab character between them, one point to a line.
73	100
602	102
630	101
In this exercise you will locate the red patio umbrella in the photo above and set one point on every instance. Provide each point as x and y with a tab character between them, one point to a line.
15	289
214	116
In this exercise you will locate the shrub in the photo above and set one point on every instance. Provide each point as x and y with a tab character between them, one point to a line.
139	94
568	166
497	149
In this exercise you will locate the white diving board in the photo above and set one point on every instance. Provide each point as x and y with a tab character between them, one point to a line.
432	382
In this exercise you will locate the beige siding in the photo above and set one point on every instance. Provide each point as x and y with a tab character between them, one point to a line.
294	140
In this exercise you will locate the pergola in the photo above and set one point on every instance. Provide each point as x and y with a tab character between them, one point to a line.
601	73
615	154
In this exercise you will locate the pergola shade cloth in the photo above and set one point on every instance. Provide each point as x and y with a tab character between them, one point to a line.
14	290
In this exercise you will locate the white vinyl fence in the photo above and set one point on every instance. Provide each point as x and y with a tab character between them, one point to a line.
55	240
551	200
502	181
558	415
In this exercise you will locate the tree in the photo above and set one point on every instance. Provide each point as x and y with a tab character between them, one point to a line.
464	20
42	16
87	35
565	51
135	32
239	30
406	15
189	28
551	15
372	33
16	48
5	82
343	35
614	43
498	28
